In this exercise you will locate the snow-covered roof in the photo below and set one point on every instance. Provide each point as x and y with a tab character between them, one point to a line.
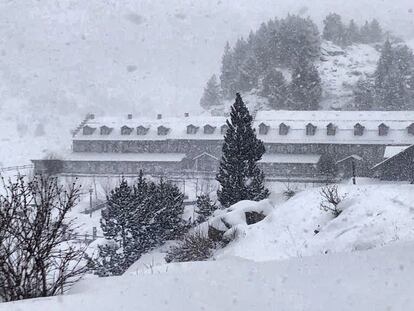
127	157
344	122
391	151
290	158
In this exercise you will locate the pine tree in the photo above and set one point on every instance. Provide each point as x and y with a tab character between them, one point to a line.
305	87
116	227
375	31
390	84
211	97
364	94
205	207
274	87
299	41
228	74
353	32
334	30
365	33
239	176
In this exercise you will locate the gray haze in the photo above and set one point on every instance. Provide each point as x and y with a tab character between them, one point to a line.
140	56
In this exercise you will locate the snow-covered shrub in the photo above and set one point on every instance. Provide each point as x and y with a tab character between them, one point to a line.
196	246
205	207
331	199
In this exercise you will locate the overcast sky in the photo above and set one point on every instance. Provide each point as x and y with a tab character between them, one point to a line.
141	56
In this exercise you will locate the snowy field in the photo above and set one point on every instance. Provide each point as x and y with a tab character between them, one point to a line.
371	280
361	260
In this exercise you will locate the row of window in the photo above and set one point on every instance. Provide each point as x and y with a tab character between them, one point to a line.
331	129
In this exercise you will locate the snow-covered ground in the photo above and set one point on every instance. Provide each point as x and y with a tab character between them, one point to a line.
361	260
373	280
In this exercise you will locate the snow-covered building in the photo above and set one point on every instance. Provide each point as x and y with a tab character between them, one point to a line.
296	142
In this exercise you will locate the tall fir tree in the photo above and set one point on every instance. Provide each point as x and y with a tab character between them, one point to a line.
228	76
212	94
239	176
334	29
375	31
364	94
305	87
353	32
275	89
390	83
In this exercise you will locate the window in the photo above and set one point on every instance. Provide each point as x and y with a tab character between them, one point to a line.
142	130
310	129
283	129
162	130
87	130
125	130
359	130
331	129
383	129
105	130
192	129
208	129
263	129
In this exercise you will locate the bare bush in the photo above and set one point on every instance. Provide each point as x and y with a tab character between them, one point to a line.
331	199
194	247
36	256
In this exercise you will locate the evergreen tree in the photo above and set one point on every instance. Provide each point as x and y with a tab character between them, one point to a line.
364	95
137	219
274	87
299	41
116	227
353	32
390	82
228	76
305	87
239	176
365	33
334	29
205	207
375	31
211	97
168	212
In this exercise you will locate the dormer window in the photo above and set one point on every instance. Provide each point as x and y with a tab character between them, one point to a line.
331	129
310	129
383	129
105	130
87	130
126	130
208	129
192	129
283	129
359	130
162	130
263	129
410	129
224	129
142	130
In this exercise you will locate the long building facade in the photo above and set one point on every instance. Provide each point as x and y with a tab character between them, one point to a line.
297	144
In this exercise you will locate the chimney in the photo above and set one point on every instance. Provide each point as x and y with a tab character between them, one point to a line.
129	116
91	116
186	114
159	116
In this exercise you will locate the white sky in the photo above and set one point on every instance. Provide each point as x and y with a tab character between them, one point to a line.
141	56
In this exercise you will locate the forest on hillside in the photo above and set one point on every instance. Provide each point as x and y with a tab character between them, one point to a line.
279	62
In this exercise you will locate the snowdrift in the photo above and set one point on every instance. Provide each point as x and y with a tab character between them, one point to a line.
372	280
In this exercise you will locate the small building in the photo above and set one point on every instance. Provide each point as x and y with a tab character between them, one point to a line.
398	166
